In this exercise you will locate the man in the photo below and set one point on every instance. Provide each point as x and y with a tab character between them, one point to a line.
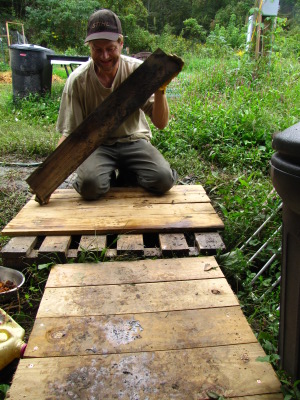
127	150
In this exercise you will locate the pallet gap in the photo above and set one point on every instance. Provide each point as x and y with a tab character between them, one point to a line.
112	240
151	240
75	240
190	239
39	242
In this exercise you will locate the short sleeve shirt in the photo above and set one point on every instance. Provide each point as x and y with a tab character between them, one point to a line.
83	93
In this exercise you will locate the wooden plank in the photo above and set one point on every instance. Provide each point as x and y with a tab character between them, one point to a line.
136	298
173	243
116	108
92	244
63	337
187	374
139	196
19	246
55	248
209	242
85	218
166	270
130	244
152	252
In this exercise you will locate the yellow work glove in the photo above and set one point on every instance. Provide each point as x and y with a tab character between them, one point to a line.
180	62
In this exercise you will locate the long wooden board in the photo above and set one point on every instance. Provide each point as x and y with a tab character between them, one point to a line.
187	374
138	332
129	272
106	118
136	298
68	213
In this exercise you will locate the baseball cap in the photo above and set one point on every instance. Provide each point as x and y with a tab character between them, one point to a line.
103	24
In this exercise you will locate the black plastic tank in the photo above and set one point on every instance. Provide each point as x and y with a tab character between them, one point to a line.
31	69
285	174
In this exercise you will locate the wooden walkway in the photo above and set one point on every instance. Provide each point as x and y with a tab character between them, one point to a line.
151	329
165	328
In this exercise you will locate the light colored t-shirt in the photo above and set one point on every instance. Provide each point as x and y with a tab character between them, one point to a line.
83	93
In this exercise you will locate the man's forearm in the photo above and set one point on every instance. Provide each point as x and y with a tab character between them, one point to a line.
160	112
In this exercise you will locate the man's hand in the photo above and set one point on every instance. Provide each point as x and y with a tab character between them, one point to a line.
180	63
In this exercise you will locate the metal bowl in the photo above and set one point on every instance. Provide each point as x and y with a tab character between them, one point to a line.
9	274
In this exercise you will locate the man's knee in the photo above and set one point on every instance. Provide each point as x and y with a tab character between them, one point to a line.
91	189
161	181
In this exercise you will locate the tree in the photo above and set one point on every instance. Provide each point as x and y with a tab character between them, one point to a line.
59	23
192	30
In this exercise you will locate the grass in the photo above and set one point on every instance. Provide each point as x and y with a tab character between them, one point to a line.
224	112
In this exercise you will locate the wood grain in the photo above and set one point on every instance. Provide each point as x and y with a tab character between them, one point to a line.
67	336
187	374
136	298
68	213
117	273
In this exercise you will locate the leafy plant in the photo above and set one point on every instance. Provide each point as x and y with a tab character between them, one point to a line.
3	390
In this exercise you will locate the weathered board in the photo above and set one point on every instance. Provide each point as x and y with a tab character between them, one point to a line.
186	374
209	242
106	118
133	272
136	298
68	213
138	332
173	243
130	244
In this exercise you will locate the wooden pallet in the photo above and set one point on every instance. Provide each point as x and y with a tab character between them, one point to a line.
148	329
121	210
21	251
182	222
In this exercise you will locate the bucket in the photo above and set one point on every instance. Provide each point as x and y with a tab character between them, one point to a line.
12	345
16	278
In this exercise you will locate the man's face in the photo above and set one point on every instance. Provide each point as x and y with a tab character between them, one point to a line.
106	54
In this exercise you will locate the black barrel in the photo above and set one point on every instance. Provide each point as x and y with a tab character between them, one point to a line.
285	173
31	69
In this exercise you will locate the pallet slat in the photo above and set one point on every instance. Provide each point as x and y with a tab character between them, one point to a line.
209	242
55	248
184	374
130	244
138	332
19	251
136	298
92	244
173	243
130	272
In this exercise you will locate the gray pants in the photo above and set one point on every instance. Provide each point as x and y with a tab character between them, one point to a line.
137	158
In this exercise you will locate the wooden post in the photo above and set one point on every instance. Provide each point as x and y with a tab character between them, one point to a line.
258	35
126	99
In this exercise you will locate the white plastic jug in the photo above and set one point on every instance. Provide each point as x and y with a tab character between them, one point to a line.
11	340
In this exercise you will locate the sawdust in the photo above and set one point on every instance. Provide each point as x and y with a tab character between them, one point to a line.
6	77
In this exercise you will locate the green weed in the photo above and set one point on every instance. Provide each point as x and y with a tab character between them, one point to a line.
3	390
